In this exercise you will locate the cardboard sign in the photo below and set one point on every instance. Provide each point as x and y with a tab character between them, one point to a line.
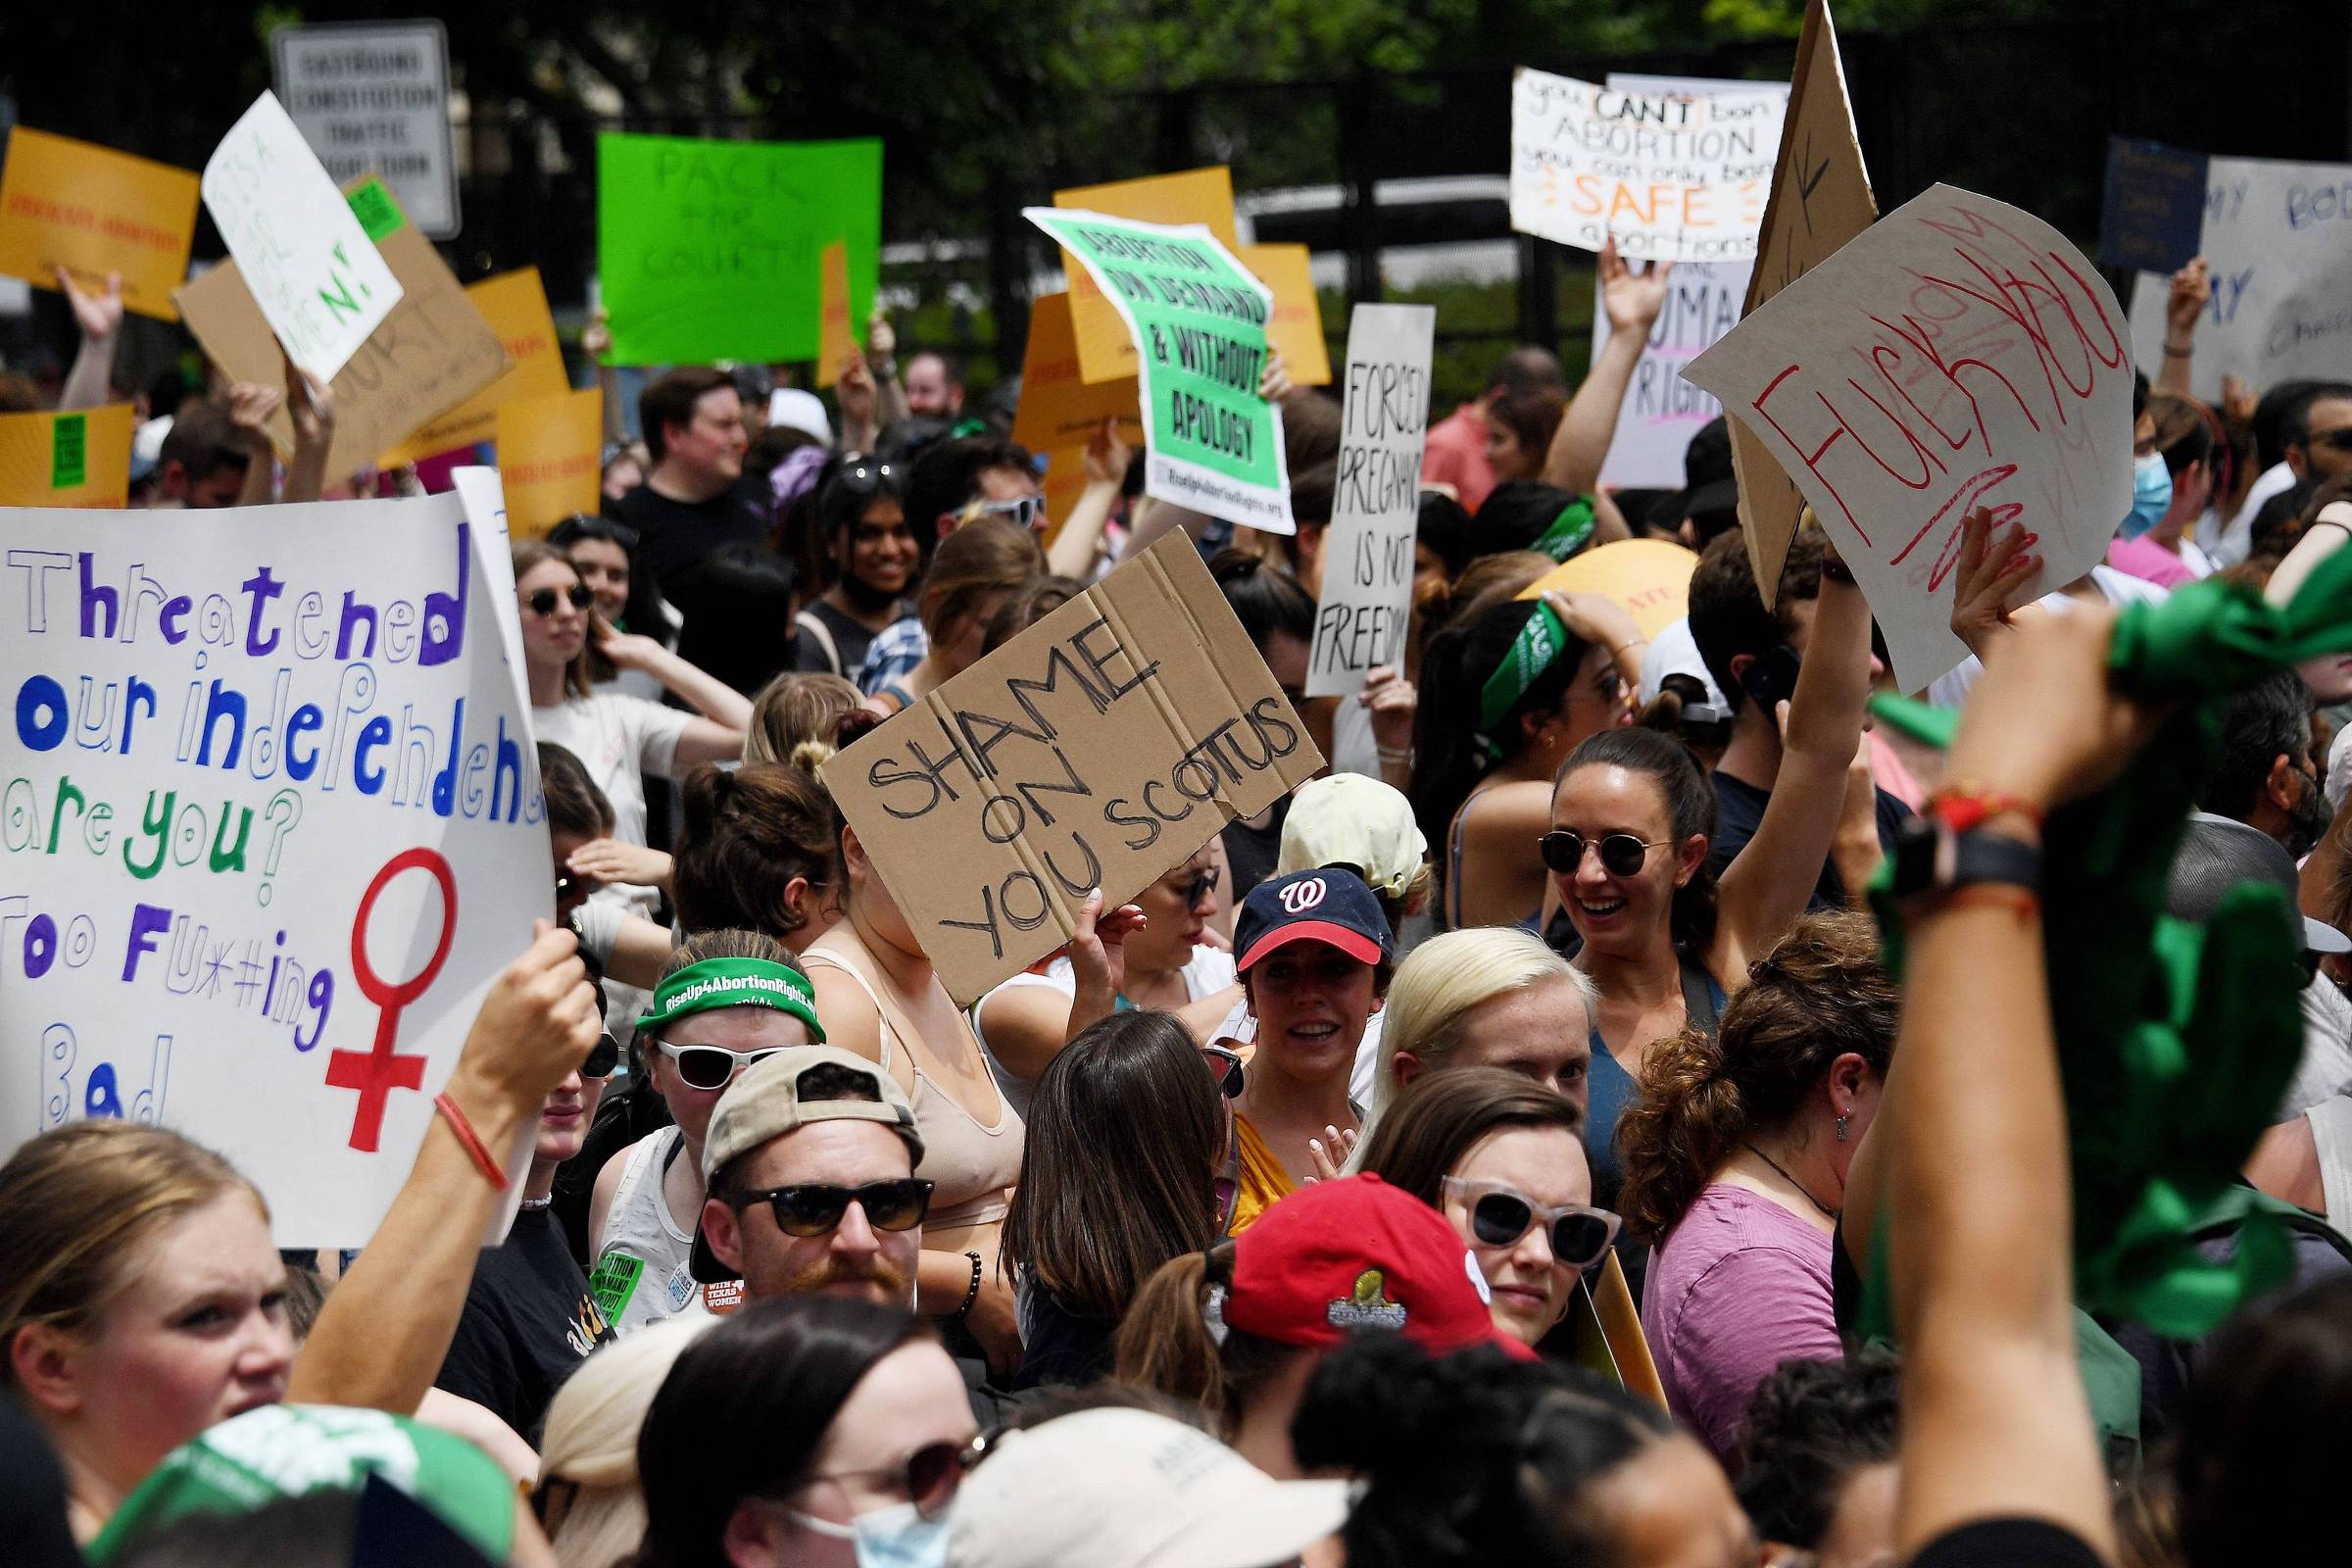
274	825
373	98
432	352
2152	210
1098	749
549	452
709	250
77	459
2278	238
1674	175
1820	199
1059	406
93	210
514	305
836	333
1105	351
306	260
1215	443
1376	508
1297	330
1959	354
1649	578
1064	482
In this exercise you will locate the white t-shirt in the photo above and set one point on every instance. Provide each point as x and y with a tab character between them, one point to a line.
1206	972
1353	749
619	740
2117	588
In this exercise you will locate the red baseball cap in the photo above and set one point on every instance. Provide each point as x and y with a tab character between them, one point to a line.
1355	1253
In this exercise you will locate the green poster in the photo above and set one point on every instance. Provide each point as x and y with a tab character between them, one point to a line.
707	250
1199	319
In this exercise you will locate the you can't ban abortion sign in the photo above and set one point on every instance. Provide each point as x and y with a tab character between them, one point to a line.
270	824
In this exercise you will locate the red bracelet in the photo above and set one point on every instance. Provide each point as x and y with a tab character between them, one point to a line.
2019	902
1961	808
490	1168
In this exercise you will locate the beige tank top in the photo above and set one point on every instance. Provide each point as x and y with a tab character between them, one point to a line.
969	1165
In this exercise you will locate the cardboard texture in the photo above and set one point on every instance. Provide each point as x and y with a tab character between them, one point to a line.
1106	353
1099	748
1297	330
75	458
433	351
836	331
514	304
548	452
1959	354
1367	593
1059	406
93	210
1820	199
1649	578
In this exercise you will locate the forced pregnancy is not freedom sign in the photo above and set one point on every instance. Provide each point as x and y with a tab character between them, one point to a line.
1199	321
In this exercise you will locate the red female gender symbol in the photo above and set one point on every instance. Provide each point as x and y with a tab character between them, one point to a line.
379	1071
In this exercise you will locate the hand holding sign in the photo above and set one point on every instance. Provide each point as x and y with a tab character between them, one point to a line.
535	1027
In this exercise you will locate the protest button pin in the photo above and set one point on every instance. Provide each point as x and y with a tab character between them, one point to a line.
380	1069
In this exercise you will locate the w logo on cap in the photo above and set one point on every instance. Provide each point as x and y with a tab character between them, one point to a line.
1301	896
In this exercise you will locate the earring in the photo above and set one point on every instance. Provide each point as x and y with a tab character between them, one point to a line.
1842	1121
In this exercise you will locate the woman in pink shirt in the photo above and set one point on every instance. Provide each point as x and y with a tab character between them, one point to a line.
1736	1155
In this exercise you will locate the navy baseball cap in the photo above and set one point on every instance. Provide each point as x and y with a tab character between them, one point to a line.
1324	905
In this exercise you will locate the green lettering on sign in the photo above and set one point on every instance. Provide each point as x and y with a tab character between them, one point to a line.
613	1282
378	214
70	452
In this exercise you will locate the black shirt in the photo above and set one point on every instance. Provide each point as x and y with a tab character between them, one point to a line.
1740	811
678	535
1064	1349
2007	1543
851	639
529	1323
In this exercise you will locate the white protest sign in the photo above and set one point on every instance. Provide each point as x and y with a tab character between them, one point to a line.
1670	174
310	264
1958	354
271	825
373	97
1376	505
2279	245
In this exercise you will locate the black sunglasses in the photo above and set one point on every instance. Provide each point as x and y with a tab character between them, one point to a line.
542	601
1202	883
603	1056
1578	1234
815	1209
863	476
1226	1065
1621	854
931	1476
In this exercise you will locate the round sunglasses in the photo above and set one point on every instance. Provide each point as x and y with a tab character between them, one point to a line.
709	1067
815	1208
603	1056
1499	1217
1621	854
542	601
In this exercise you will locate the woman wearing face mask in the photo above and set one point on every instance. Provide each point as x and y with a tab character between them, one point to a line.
1735	1158
649	1197
2172	480
807	1431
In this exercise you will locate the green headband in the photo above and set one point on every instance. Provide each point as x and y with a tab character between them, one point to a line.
734	983
1568	531
1532	651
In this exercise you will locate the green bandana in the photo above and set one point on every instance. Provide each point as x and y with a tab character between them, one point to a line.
2175	1041
734	983
1539	644
1568	531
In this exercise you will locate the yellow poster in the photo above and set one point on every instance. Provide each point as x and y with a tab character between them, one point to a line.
1064	482
515	304
80	458
93	210
1058	408
548	451
836	336
1106	353
1297	329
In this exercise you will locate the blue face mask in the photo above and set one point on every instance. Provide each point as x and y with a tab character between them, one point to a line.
2151	494
895	1537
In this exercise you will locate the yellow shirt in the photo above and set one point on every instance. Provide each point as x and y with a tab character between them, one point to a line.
1262	1177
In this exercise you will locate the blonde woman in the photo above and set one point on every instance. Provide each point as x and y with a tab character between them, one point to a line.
588	1498
794	717
1487	997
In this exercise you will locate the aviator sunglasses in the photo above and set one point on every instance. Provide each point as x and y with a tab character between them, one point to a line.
1499	1217
1621	854
542	601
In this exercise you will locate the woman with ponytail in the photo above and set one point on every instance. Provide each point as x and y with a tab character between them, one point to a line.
1506	694
759	852
1735	1159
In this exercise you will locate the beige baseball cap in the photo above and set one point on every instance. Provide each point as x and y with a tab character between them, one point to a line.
1351	820
1135	1490
765	1102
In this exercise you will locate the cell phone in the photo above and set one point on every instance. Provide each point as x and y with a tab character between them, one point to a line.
1771	679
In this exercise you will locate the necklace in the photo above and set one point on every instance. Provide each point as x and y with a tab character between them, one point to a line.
1791	1180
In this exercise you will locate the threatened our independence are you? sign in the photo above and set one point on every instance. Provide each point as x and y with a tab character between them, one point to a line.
1099	748
269	825
1199	318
